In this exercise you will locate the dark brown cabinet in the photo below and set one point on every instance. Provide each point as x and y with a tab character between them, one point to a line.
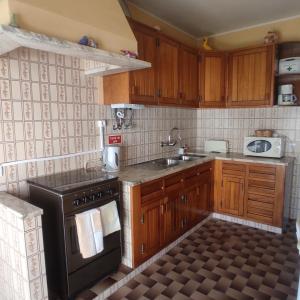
164	209
150	226
171	81
142	82
167	71
251	76
212	79
138	87
188	77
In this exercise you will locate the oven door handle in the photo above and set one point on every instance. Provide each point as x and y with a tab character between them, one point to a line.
73	240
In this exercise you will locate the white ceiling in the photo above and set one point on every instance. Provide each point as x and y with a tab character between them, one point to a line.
207	17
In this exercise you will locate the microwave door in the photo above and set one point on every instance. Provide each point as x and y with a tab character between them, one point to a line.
259	146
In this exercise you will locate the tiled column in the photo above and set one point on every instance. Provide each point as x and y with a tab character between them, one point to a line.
22	261
127	247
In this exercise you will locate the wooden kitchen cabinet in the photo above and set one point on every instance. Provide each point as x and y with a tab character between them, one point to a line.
165	208
232	195
138	87
251	191
170	228
251	76
142	82
230	188
188	77
167	71
212	79
151	224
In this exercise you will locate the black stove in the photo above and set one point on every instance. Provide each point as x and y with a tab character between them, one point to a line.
67	182
62	196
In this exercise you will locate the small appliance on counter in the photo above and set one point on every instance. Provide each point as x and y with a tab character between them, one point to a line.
112	158
286	95
216	146
264	146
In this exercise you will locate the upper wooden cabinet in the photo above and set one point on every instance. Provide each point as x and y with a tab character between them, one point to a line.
179	76
167	71
251	76
188	77
142	82
138	87
212	71
172	80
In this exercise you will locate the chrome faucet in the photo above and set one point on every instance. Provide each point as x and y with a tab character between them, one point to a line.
172	140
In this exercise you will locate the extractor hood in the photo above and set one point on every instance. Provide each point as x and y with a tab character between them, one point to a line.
56	26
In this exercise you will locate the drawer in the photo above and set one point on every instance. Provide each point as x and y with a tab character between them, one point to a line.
152	189
260	198
205	167
234	169
173	182
190	173
261	191
261	183
262	172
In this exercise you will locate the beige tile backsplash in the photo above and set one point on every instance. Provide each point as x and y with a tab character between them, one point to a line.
48	107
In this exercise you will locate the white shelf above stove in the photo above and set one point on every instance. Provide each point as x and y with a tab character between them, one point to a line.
98	62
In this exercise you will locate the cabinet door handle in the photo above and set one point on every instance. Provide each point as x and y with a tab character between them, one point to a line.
162	210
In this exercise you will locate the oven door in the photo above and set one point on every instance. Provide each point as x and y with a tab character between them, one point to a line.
75	261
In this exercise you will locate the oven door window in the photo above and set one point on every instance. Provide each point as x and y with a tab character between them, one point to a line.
259	146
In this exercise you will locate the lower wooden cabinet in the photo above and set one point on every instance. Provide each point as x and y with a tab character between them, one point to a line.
150	225
164	209
251	191
232	195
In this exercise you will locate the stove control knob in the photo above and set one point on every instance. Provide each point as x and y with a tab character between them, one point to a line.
76	202
110	191
94	197
85	199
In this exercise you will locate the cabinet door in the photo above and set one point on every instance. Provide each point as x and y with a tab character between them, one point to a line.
142	82
170	228
188	77
151	222
167	71
204	195
212	70
232	195
251	76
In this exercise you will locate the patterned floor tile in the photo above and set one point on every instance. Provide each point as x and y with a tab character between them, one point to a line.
222	260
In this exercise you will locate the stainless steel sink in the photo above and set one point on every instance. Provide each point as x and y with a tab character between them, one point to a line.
166	162
189	157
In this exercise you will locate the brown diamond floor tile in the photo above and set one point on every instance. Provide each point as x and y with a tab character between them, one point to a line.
221	260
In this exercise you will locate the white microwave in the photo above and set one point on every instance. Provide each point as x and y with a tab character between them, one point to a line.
264	146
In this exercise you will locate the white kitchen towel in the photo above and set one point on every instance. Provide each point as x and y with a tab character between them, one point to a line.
97	229
88	231
110	218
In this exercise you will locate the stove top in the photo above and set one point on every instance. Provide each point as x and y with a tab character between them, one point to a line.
71	181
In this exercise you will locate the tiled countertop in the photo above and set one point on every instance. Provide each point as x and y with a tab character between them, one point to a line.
137	174
21	209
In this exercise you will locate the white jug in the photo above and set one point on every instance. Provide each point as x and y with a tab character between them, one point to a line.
112	158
